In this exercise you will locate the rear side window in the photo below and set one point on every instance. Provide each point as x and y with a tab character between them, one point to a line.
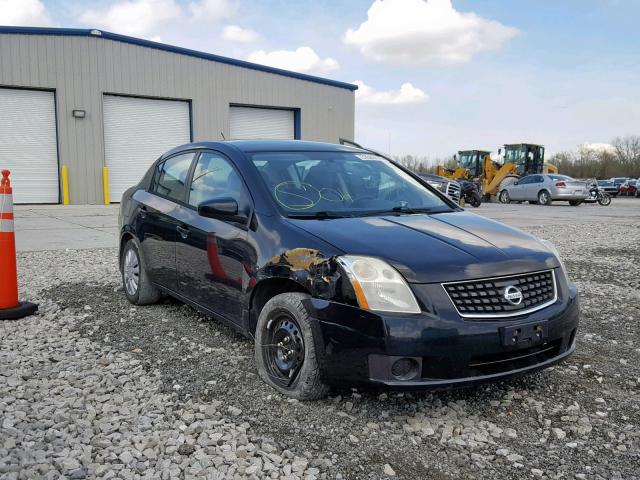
171	177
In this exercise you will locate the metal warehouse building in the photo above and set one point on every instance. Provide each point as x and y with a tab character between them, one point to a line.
87	99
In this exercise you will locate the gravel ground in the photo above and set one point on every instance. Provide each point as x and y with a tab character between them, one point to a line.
94	388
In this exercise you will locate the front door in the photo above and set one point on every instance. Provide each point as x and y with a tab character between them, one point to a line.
213	256
518	192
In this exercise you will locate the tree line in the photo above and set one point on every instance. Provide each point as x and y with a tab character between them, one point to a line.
621	158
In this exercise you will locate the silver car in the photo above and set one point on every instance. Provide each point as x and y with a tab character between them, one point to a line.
544	189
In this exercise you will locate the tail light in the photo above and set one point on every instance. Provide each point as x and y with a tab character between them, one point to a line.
561	185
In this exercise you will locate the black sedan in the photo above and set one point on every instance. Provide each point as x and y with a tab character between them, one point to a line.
344	268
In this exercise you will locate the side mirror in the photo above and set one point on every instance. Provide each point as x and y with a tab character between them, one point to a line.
221	208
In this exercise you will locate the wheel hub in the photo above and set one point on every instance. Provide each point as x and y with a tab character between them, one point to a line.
286	350
131	272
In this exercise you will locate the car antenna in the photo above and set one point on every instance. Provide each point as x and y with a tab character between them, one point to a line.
223	137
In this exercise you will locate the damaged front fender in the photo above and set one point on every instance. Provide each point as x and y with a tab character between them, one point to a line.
321	276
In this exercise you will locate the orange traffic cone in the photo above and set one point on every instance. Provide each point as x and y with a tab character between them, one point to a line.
10	307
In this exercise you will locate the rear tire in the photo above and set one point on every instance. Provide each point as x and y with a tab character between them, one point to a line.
544	198
137	286
503	197
288	348
476	200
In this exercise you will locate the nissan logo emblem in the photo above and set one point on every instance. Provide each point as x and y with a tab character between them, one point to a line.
513	295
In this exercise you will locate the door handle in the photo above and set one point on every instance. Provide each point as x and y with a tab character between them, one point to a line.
184	232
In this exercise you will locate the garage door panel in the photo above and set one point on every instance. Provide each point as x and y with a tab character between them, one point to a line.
28	144
136	132
247	123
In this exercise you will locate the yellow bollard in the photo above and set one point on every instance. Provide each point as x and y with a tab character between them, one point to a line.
105	185
64	171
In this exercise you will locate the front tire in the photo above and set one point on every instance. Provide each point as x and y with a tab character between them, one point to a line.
476	200
137	286
288	348
504	197
544	198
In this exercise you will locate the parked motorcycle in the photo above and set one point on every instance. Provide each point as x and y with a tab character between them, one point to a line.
470	193
598	195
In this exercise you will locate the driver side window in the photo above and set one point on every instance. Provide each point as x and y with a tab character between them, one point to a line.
215	177
525	181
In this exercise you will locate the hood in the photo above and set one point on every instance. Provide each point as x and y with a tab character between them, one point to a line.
437	248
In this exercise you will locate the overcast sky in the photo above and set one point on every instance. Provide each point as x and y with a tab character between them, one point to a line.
435	76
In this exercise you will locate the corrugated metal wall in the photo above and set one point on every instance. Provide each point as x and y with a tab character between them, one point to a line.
82	69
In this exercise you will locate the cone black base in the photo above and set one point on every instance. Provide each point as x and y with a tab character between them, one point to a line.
23	309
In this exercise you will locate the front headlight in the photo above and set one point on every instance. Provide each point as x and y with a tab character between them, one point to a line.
552	248
378	286
436	185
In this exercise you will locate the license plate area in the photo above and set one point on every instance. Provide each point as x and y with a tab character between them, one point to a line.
522	336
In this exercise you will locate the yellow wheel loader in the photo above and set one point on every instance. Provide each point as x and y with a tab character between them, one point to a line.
492	177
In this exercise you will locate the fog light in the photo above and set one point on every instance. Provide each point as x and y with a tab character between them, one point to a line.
404	368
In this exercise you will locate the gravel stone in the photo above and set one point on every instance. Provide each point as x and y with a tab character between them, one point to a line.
89	393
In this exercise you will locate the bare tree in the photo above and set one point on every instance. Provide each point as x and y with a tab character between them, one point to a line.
628	153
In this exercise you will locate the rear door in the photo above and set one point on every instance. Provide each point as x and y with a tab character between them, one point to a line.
158	217
214	259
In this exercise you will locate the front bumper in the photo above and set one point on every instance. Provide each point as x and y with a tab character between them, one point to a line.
361	347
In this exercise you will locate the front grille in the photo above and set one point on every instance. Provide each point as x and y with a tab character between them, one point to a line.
453	191
486	297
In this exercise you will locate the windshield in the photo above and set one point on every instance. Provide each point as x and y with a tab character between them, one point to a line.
342	184
468	161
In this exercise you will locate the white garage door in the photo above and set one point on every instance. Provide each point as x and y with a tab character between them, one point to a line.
248	123
28	144
136	132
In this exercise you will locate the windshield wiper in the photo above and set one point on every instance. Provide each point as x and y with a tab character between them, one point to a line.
402	209
323	215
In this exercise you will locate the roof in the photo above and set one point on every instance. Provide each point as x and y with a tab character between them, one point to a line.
523	143
276	146
82	32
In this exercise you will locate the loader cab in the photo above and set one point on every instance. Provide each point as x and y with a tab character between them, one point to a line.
472	161
527	157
